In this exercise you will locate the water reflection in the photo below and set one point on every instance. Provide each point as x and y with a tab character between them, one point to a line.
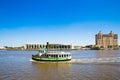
106	53
51	71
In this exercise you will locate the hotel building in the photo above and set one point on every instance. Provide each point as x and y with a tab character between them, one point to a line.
106	40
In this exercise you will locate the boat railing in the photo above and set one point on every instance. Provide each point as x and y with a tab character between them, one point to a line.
58	52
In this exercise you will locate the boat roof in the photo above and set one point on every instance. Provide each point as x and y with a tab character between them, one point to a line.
42	49
57	52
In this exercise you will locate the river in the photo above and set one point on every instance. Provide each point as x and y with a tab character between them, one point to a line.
17	65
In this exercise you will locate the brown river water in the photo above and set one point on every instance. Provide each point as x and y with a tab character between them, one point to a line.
17	65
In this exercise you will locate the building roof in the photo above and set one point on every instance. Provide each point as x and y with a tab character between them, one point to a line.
107	35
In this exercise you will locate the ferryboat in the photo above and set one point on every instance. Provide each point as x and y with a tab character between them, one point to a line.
45	55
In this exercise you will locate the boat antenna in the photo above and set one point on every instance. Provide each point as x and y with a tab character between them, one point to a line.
47	46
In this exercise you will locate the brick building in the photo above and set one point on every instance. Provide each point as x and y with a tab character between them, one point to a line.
106	40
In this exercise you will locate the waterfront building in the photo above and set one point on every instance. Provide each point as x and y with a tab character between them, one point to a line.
77	47
48	46
106	40
1	47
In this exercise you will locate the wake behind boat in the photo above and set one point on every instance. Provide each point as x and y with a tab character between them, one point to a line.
45	55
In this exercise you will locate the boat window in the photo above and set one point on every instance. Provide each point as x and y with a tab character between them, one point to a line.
52	55
59	55
62	55
45	55
67	55
55	56
49	56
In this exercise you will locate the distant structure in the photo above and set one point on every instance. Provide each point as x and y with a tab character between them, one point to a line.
48	46
106	40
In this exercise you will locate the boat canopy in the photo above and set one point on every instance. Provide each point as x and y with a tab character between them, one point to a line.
43	50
